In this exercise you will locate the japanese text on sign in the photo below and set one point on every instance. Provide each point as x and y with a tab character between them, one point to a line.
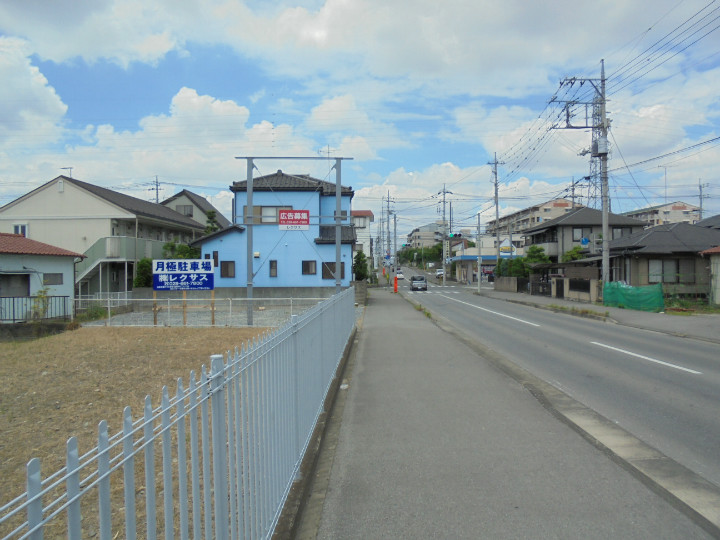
183	274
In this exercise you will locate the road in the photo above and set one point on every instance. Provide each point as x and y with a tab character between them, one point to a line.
665	390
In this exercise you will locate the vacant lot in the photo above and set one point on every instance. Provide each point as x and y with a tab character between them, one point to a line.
62	386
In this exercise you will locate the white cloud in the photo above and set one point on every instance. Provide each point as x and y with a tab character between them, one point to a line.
30	110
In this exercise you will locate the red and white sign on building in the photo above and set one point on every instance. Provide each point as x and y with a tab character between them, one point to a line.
294	220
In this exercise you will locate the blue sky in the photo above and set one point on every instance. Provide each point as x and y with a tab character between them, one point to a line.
420	94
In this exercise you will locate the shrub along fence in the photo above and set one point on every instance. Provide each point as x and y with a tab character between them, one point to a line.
216	460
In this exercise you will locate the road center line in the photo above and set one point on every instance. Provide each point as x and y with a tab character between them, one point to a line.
489	311
647	358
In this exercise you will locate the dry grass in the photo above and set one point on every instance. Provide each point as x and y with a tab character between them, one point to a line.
62	386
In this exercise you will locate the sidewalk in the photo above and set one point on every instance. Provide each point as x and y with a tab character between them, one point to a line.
705	327
431	440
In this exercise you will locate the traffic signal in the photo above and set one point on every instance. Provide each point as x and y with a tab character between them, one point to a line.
455	235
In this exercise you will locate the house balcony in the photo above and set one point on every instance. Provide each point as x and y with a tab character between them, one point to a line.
116	249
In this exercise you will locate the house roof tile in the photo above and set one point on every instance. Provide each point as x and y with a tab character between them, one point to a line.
135	205
668	238
280	181
17	244
583	217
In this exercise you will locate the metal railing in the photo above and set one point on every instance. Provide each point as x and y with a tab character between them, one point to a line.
14	309
199	312
217	460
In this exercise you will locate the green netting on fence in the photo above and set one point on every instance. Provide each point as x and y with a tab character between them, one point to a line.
648	298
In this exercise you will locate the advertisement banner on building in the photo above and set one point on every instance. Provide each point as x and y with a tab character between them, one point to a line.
294	220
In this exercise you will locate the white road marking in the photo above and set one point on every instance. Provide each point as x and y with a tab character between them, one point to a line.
490	311
647	358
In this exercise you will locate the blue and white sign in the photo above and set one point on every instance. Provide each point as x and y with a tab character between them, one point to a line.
183	274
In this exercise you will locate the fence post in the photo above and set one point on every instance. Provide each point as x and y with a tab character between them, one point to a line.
219	443
72	484
104	506
34	507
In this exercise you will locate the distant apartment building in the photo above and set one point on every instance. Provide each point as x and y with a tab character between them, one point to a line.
674	212
531	216
427	235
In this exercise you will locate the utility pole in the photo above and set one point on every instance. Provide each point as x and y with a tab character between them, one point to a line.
395	238
598	149
479	248
389	243
445	238
494	164
700	187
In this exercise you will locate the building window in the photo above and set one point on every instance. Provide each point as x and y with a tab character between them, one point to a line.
184	209
666	271
328	270
20	229
273	268
577	235
215	259
52	279
309	267
265	214
227	269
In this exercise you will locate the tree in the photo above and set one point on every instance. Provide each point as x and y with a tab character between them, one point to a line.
572	255
360	267
143	276
173	250
536	255
211	224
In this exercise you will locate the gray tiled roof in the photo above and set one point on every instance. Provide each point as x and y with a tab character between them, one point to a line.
221	232
137	206
280	181
713	222
202	203
327	234
583	217
668	238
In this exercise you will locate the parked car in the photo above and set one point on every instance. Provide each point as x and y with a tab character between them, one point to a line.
440	272
418	283
399	275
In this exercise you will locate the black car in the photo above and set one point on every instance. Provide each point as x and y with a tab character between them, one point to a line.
418	283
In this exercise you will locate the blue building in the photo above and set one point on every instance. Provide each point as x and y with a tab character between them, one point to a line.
286	254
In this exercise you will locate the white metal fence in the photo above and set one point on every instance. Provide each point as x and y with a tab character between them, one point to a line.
216	460
268	312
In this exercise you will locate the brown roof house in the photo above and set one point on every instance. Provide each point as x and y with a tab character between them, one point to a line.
36	279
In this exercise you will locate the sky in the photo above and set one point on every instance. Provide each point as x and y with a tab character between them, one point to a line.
419	98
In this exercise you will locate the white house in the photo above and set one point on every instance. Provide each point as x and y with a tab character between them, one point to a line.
113	230
29	268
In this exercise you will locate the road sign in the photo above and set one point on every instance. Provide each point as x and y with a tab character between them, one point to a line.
294	220
183	275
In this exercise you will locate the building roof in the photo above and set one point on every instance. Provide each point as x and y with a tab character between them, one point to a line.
560	202
327	235
217	234
712	222
363	213
667	239
280	181
17	244
202	203
711	251
658	207
126	202
583	217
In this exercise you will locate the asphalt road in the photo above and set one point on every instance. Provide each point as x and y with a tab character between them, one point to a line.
663	389
429	439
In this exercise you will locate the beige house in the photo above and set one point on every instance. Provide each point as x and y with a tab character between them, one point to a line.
713	255
194	206
112	230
